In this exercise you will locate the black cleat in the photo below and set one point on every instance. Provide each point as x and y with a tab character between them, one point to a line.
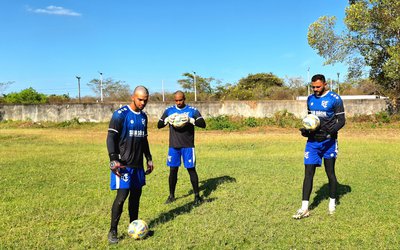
113	237
198	200
170	199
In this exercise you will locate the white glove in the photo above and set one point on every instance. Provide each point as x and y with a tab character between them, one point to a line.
192	120
170	119
180	120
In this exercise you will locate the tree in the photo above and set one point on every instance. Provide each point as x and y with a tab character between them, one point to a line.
4	86
203	85
257	86
371	41
26	96
296	85
112	90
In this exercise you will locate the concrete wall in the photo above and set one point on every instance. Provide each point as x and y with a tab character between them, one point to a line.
103	112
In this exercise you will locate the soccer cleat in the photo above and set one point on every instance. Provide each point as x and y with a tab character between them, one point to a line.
113	237
198	200
331	210
170	199
300	214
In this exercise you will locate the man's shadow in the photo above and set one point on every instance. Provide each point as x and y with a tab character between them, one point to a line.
207	186
323	194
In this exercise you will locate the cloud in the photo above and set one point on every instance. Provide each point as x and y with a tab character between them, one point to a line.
55	10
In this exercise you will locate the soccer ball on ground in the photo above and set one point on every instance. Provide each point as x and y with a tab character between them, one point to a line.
138	229
311	122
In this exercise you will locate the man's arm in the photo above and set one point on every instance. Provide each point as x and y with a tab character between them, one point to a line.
113	137
340	117
163	121
146	152
113	143
198	120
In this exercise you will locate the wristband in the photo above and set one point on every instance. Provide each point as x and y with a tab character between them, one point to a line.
114	157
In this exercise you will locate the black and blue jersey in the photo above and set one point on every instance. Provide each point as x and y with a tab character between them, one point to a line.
127	137
330	111
182	137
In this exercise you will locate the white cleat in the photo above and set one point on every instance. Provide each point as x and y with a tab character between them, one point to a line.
300	214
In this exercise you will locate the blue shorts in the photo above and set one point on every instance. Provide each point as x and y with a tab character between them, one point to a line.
187	154
130	177
315	151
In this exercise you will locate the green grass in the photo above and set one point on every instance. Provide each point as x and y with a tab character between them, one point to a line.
55	193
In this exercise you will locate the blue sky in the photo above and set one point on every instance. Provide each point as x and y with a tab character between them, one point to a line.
45	44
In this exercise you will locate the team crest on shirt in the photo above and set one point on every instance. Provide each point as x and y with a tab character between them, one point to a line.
125	177
143	121
324	104
306	154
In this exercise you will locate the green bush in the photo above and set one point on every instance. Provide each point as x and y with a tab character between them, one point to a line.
68	124
251	122
221	122
382	117
26	96
285	119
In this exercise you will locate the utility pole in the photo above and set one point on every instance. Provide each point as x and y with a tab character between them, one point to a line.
101	86
194	82
79	88
308	81
338	90
163	94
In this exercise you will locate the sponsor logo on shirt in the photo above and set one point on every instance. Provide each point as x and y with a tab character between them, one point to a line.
136	133
319	113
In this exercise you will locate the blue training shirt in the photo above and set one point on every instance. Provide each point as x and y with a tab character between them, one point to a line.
181	137
130	141
326	107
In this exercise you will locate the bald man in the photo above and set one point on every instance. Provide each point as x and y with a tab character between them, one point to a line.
181	143
127	144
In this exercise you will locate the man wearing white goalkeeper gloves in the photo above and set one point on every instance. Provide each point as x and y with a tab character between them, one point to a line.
181	119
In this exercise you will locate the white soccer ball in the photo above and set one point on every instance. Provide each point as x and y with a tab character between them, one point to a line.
138	229
311	122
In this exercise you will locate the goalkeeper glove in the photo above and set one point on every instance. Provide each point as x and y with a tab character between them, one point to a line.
305	132
170	119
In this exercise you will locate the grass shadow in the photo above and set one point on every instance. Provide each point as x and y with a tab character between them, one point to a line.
207	186
323	194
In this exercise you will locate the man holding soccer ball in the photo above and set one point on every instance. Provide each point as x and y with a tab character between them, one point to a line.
181	119
127	144
322	141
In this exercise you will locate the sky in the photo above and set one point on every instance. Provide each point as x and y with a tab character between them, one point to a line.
45	44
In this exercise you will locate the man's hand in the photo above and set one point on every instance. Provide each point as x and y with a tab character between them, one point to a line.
150	167
115	166
304	132
170	119
185	118
322	136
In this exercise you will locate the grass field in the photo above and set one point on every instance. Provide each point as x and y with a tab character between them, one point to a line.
55	192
